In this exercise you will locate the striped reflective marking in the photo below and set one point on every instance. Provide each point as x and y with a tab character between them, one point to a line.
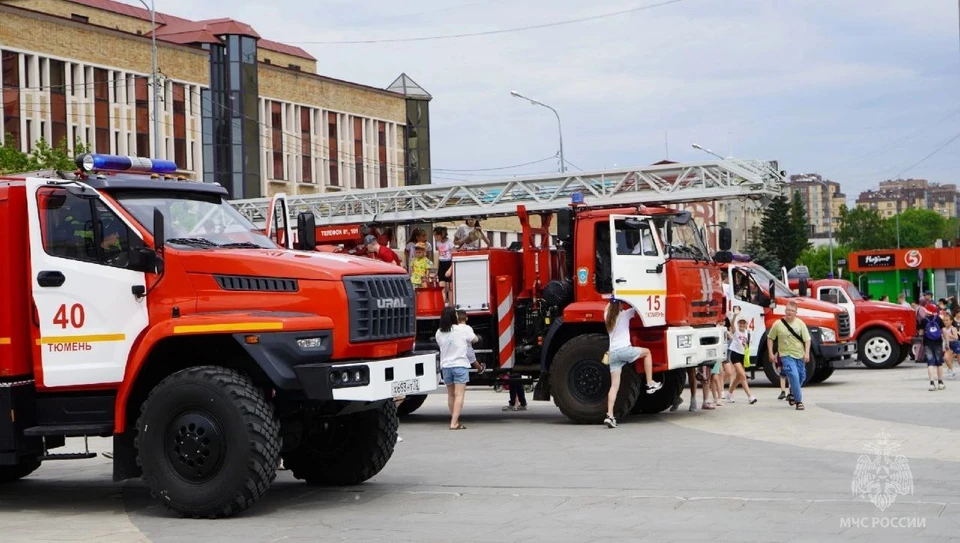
95	338
236	327
505	322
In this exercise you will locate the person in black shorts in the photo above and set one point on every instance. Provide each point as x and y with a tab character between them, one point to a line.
739	341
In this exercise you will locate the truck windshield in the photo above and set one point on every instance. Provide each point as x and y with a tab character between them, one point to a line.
192	219
763	277
681	240
853	293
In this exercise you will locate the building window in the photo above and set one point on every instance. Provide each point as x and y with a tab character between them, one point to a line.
305	153
276	117
358	150
80	18
58	103
101	109
334	149
141	99
382	152
11	96
179	125
294	67
503	239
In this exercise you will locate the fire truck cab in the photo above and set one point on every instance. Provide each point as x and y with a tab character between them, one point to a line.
144	307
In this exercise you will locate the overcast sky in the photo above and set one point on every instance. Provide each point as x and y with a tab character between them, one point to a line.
857	90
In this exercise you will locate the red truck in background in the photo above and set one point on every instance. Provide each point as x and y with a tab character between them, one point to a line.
762	299
883	331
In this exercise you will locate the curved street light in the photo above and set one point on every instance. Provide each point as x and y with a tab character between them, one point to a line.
563	163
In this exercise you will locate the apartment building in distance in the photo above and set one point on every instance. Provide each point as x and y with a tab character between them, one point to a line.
895	196
822	200
235	108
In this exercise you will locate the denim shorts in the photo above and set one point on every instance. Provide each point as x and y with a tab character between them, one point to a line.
458	376
955	347
623	356
933	354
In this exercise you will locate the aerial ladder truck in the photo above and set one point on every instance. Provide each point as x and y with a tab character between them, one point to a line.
538	306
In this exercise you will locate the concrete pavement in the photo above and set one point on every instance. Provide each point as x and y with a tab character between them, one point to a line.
743	472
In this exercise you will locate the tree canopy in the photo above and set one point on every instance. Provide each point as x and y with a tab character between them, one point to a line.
41	157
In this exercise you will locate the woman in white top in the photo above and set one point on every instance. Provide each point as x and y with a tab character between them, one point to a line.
622	352
455	341
739	341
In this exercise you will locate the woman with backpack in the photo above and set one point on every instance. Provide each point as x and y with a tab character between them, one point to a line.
933	347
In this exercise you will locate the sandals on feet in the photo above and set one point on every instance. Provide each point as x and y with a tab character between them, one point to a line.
800	406
458	427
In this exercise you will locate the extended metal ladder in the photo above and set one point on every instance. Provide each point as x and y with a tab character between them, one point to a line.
658	184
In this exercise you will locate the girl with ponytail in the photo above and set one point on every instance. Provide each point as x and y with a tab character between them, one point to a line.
622	352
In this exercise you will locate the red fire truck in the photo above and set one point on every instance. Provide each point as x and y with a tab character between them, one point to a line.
538	306
144	307
884	332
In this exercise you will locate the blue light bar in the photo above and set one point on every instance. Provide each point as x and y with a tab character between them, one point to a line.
577	197
91	162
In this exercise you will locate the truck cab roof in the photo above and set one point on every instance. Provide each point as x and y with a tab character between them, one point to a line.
117	182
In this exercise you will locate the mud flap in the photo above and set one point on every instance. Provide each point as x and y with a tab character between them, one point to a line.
541	392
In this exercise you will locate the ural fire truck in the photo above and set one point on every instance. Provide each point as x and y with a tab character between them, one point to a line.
762	299
144	307
539	306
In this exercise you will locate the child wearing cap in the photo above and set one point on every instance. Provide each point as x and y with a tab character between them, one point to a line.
420	266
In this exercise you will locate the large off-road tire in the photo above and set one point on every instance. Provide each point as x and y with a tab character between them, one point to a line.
580	381
661	400
345	450
208	442
411	404
904	353
878	349
26	466
821	374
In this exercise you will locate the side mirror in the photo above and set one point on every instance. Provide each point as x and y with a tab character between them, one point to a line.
726	239
307	231
564	224
773	293
802	287
159	236
143	260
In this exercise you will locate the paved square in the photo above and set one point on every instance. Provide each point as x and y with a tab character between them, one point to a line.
743	472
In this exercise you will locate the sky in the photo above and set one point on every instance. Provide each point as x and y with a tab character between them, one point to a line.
856	90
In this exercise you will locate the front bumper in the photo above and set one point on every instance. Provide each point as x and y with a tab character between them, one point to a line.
380	379
705	345
313	372
838	352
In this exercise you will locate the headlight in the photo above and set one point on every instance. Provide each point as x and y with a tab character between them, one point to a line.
685	341
310	343
827	334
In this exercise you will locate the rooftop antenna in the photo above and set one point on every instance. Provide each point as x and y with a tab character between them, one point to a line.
666	146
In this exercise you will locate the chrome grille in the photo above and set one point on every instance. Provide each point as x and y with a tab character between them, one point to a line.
843	325
381	307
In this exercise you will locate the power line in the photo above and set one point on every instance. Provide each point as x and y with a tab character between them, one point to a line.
492	32
935	151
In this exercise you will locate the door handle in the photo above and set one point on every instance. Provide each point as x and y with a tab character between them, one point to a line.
50	279
621	280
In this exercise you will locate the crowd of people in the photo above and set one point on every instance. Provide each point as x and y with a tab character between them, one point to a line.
937	325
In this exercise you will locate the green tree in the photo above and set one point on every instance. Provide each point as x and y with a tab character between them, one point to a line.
862	229
817	259
758	252
775	227
41	157
799	238
918	228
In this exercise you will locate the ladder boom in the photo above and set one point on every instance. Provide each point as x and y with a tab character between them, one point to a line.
659	184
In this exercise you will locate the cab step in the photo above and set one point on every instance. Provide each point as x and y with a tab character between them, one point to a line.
68	456
70	430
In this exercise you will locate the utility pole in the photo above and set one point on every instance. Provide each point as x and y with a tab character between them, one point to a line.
153	77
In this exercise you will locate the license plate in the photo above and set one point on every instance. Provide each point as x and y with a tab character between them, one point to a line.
711	353
402	388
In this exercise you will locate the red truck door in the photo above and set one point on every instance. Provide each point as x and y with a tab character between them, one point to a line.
87	315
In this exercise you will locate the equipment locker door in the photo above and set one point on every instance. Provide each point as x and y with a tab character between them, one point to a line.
87	314
637	264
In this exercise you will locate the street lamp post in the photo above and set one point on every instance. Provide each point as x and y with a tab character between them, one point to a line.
153	77
708	151
563	163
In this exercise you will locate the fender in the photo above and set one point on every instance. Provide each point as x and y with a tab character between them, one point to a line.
228	323
900	336
547	340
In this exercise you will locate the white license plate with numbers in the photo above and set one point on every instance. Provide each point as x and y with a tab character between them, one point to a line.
711	354
402	388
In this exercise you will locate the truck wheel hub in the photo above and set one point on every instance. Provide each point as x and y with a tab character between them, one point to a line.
877	349
195	446
587	381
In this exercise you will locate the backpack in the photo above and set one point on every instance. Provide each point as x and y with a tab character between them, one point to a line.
932	330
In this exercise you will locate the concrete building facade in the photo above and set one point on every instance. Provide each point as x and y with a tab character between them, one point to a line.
895	196
235	108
